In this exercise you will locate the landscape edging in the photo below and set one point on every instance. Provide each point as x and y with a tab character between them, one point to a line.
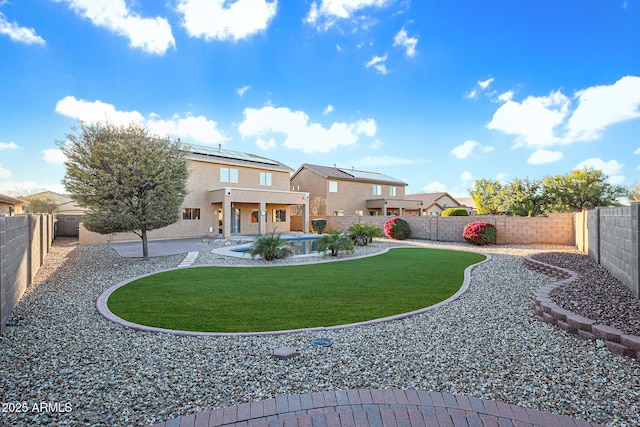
548	311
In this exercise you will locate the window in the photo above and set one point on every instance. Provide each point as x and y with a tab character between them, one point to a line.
377	190
373	213
392	191
338	213
333	186
265	178
279	215
228	175
359	213
254	215
191	213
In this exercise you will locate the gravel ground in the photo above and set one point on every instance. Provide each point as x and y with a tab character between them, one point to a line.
486	344
596	294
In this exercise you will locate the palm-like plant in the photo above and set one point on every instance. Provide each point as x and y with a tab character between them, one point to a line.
270	247
363	234
335	241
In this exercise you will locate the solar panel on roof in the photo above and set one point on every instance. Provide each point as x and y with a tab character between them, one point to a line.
369	175
229	154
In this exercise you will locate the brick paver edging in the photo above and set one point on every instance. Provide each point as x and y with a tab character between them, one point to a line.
378	408
548	311
103	309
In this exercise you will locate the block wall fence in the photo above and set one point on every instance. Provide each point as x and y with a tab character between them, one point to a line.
25	241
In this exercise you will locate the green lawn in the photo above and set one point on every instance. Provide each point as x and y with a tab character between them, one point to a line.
237	299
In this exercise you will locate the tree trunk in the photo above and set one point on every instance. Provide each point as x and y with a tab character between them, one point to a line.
145	247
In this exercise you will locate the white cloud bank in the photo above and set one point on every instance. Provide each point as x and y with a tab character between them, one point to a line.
300	133
612	168
5	173
545	121
54	156
19	34
226	20
379	63
152	35
541	156
8	146
198	129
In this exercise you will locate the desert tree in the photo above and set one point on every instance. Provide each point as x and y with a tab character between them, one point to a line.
128	180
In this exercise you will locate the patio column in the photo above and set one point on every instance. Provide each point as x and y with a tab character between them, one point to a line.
399	211
226	214
305	216
262	218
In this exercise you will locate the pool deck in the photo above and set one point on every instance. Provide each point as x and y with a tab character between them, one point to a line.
376	408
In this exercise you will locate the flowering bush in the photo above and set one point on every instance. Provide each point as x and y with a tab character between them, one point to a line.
397	228
479	233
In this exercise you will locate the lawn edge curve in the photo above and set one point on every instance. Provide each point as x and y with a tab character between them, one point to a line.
103	309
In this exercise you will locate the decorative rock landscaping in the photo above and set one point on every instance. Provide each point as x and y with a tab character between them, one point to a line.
487	345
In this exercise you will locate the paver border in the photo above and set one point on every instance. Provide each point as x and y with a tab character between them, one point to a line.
103	309
548	311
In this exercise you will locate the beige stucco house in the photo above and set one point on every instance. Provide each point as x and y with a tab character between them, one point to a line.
230	193
11	206
434	203
338	191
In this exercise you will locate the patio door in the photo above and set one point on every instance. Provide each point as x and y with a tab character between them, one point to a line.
235	220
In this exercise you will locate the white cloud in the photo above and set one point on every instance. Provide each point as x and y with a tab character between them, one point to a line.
466	176
54	156
192	128
19	34
612	168
603	106
544	156
501	176
226	20
339	48
376	145
472	94
242	90
96	111
465	149
328	109
373	161
196	128
434	187
532	121
8	187
266	145
378	62
300	133
402	39
545	121
326	14
484	85
153	35
8	146
5	173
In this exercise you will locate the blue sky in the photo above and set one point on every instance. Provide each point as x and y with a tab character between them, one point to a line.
437	94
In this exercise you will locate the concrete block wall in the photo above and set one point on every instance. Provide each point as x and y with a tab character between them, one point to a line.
25	241
555	229
618	243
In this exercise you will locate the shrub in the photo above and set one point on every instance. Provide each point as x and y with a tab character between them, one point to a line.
363	234
455	212
397	228
480	233
270	247
335	241
318	225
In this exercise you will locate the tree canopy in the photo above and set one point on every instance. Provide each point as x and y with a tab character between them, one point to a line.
580	189
129	181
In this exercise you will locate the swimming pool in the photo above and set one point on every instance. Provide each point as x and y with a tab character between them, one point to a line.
300	246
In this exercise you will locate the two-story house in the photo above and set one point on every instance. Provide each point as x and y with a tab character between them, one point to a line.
229	192
339	191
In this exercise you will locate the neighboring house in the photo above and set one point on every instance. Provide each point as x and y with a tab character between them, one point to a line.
434	203
66	205
337	191
11	206
468	204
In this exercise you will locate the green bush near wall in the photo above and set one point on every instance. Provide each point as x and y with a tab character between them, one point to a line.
455	212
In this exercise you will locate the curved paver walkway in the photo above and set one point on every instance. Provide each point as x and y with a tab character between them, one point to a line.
379	408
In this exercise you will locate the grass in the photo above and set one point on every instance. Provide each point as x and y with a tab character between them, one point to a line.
255	299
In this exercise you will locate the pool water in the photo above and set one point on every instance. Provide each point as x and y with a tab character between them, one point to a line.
298	246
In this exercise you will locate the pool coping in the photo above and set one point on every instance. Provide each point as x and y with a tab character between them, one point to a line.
103	309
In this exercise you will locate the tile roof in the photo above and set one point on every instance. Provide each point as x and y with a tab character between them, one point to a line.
351	174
